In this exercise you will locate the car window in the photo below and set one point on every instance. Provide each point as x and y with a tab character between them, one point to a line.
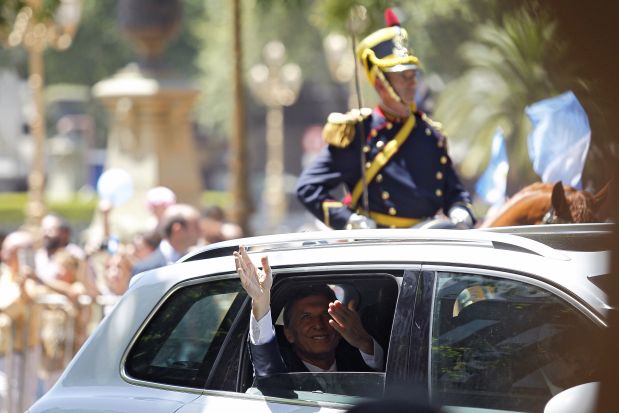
182	340
503	344
374	297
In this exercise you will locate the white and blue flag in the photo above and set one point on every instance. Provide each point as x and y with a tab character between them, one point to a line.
559	140
492	184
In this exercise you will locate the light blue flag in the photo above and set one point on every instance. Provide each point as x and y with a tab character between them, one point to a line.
559	140
492	184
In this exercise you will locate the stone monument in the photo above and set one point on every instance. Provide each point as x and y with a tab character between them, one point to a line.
150	115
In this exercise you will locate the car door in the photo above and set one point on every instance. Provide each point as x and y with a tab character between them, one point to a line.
488	339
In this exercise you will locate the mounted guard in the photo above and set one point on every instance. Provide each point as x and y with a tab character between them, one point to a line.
404	168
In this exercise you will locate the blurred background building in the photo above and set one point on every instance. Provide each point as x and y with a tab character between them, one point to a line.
473	81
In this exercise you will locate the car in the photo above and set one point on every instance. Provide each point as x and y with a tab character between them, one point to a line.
499	319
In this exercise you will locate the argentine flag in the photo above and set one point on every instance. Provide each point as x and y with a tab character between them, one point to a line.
492	184
559	140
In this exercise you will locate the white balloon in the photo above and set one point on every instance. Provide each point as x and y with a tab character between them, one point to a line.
115	185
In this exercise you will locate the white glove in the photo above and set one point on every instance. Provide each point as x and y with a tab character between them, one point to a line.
357	221
461	217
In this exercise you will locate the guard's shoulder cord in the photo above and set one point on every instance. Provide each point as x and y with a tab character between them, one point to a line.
438	126
339	130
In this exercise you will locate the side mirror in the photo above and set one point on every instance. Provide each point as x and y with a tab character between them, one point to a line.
582	398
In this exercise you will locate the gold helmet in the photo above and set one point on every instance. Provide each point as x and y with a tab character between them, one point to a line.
386	50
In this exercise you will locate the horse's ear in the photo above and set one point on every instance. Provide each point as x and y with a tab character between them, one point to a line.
559	202
600	206
601	195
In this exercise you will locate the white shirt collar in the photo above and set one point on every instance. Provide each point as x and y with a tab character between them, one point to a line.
316	369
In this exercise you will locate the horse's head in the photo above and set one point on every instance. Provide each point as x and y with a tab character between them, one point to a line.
574	206
541	203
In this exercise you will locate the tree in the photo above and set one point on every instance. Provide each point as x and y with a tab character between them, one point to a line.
508	70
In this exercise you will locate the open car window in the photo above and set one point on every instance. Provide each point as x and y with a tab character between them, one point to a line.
374	297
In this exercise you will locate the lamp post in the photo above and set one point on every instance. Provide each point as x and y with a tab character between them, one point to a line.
275	84
36	32
341	63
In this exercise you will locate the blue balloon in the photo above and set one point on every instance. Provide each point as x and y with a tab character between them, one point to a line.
116	186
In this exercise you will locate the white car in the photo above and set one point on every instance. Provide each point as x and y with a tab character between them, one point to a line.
472	319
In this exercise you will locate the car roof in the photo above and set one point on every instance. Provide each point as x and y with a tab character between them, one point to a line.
518	250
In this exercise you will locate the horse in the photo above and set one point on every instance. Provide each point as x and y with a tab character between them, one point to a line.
542	203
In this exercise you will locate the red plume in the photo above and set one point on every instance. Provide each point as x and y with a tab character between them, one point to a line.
391	19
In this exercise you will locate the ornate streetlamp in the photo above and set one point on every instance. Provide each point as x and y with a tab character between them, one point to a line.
275	84
36	31
341	63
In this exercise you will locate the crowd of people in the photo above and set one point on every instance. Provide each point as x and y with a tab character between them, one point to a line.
55	289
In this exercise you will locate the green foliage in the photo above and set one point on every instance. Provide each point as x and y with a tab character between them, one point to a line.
10	8
508	70
261	23
78	211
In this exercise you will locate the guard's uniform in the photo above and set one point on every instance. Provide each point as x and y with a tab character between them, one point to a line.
409	174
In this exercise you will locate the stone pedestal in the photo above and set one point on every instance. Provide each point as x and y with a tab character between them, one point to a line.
151	138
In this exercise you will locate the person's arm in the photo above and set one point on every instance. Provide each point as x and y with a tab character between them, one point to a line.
264	351
375	361
261	331
347	322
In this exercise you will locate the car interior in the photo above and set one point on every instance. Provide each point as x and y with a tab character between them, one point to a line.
375	295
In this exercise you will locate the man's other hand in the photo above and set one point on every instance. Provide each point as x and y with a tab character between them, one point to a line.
257	282
346	321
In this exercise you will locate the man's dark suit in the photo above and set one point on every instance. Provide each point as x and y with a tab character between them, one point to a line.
269	359
156	259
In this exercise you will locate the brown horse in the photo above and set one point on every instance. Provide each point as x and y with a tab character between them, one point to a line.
541	203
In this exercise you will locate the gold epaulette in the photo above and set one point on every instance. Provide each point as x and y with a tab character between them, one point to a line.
339	130
436	125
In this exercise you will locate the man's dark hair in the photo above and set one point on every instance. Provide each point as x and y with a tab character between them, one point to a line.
304	291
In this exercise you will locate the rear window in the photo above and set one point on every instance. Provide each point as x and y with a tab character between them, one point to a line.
181	342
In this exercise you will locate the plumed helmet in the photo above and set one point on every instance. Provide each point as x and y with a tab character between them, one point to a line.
386	49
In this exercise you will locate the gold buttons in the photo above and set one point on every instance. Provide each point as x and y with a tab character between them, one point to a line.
366	149
392	211
380	144
439	175
438	192
367	165
440	143
443	159
389	125
385	195
428	131
379	178
373	132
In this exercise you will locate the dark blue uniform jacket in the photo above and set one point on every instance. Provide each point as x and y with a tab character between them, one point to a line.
410	175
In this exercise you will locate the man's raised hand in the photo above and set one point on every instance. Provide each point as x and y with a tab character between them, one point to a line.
257	282
346	321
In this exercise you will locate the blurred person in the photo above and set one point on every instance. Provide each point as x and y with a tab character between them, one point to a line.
145	243
59	343
56	234
118	269
408	175
216	228
158	199
18	289
180	230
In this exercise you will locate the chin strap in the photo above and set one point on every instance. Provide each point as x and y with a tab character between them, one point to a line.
394	95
